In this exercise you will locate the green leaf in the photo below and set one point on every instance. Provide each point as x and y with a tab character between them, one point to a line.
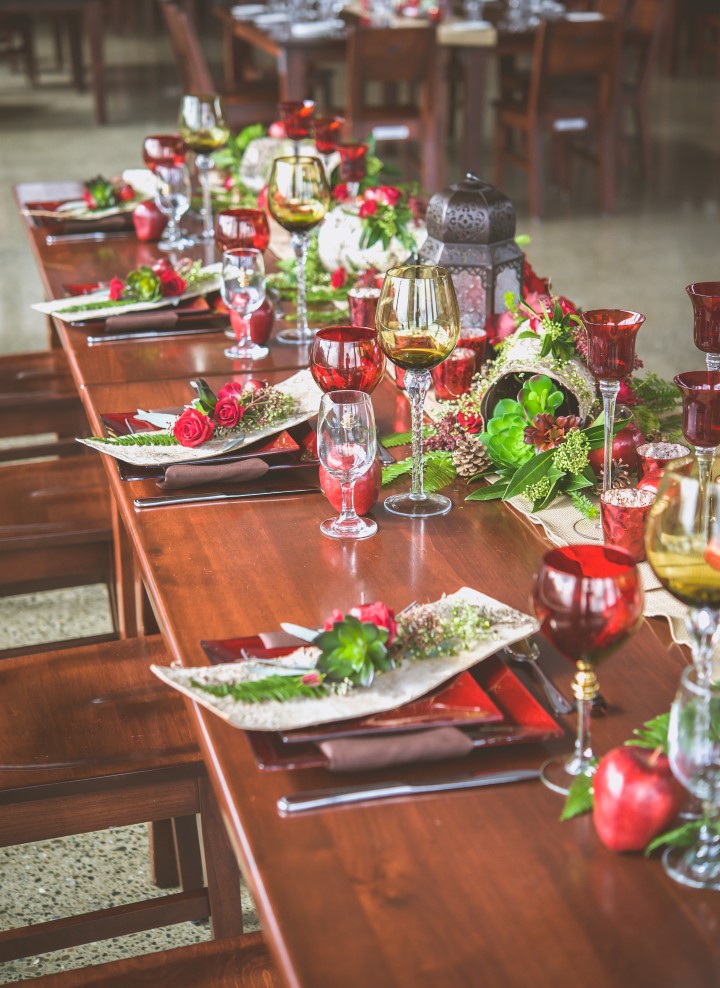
493	492
586	508
682	836
280	688
139	439
549	497
439	470
653	734
398	439
397	469
529	473
577	482
580	798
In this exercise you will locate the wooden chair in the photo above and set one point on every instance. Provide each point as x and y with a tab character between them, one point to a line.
393	58
89	739
17	42
572	90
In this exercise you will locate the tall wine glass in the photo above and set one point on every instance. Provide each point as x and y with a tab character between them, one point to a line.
172	198
694	753
242	228
203	129
589	600
327	137
298	198
347	444
700	391
347	357
163	149
296	116
353	166
705	298
418	324
243	289
682	542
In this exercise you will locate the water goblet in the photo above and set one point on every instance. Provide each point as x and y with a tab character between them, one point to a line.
242	228
353	166
243	290
588	599
705	299
298	198
347	444
172	198
346	357
296	116
418	324
203	128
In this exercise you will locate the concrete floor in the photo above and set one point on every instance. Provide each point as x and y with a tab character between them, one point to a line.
663	236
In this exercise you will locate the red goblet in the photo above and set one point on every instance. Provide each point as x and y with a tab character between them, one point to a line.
589	600
700	392
353	166
347	358
705	298
242	228
163	151
327	134
297	120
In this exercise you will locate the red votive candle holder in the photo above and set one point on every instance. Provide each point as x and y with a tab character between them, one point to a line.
624	514
453	377
474	339
652	460
363	304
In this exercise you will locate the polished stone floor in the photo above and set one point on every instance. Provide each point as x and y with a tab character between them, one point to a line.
663	236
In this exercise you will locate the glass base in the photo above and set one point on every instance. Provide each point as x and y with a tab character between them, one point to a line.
296	337
355	528
686	866
249	351
559	774
589	528
182	243
418	505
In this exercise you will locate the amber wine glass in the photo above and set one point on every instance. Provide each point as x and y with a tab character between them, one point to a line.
203	128
682	541
298	198
418	324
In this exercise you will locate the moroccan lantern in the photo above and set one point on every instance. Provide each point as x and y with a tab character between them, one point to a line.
471	231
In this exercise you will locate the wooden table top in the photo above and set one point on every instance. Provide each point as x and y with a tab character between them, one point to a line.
463	889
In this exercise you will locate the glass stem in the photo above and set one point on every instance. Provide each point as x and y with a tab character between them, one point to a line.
204	164
703	628
705	456
713	361
347	510
353	190
242	333
609	391
417	383
585	688
707	852
299	243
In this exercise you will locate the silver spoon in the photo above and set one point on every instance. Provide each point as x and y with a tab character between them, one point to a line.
527	652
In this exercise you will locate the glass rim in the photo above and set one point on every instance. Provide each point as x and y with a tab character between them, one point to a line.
711	690
622	318
240	211
643	448
342	396
288	105
644	498
202	97
402	272
698	380
297	159
704	289
560	558
355	333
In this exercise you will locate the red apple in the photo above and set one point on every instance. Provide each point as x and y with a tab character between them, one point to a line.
148	221
624	448
367	488
261	322
636	797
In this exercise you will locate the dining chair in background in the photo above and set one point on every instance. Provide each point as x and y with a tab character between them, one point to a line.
572	92
17	43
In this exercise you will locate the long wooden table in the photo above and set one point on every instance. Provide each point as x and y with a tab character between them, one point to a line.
465	889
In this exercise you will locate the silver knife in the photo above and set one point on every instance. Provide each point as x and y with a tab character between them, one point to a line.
297	631
80	238
160	502
298	802
156	334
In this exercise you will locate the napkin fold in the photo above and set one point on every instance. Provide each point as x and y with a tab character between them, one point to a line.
162	319
106	224
357	754
181	475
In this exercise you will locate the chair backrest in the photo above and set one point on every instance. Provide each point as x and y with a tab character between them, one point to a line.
576	57
646	25
190	61
388	56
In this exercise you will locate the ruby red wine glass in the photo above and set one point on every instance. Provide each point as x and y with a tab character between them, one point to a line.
705	298
297	120
242	228
166	150
327	137
589	600
353	165
347	358
700	392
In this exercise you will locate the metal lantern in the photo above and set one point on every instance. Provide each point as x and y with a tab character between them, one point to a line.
471	231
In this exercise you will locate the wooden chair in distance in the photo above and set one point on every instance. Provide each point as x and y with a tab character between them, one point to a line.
572	89
396	58
90	739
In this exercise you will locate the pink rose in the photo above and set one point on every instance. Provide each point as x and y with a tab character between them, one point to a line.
390	194
367	209
171	284
499	326
277	130
228	412
193	428
117	287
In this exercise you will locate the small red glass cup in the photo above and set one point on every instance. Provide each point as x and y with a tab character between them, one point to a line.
652	460
700	392
363	305
236	228
163	150
297	118
624	515
705	298
327	133
453	377
347	358
474	339
353	165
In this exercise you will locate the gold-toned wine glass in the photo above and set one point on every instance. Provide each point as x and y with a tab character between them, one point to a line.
418	324
203	128
298	198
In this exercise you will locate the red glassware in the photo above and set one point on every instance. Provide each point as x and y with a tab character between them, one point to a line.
347	358
163	150
700	392
624	514
611	342
297	117
453	377
705	298
363	305
242	228
352	162
652	460
327	133
474	339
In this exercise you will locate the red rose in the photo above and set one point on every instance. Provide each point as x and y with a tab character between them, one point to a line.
338	278
231	390
368	278
193	428
470	421
566	306
89	199
378	614
390	194
367	209
228	412
159	266
171	284
341	192
335	616
532	283
229	182
626	395
499	326
125	192
117	287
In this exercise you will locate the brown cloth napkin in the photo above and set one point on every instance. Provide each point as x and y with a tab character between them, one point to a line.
356	754
108	224
181	475
161	319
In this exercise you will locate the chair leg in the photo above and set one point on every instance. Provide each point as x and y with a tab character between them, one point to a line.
535	173
163	856
221	870
189	856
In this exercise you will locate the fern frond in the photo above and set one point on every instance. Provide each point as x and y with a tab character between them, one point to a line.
280	688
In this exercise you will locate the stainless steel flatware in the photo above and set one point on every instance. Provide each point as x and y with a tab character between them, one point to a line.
527	653
164	501
386	457
298	802
152	334
79	238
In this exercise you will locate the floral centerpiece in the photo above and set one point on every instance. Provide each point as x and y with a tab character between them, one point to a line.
102	194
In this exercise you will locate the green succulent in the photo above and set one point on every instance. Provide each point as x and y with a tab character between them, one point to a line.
144	284
504	436
540	396
101	191
353	650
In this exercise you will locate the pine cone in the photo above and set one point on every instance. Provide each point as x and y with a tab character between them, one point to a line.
470	456
621	476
